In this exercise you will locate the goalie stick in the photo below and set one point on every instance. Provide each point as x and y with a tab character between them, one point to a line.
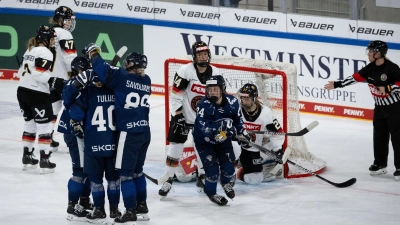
274	156
302	132
118	56
158	181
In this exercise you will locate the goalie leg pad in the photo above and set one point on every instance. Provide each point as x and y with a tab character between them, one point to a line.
253	178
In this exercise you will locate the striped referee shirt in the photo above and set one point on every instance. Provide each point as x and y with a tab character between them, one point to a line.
387	75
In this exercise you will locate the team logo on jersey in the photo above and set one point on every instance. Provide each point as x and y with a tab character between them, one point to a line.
194	102
40	113
383	77
199	89
62	124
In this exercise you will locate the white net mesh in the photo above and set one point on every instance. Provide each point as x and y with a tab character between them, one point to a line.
270	86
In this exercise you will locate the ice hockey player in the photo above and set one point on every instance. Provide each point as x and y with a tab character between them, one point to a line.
218	120
257	117
132	89
187	90
34	98
64	52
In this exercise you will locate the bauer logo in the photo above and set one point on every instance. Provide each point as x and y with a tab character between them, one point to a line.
98	5
144	9
310	25
199	89
252	19
202	15
251	126
353	112
46	2
320	108
367	30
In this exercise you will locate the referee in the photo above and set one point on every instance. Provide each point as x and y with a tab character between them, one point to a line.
383	78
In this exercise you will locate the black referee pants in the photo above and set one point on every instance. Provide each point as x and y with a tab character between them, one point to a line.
386	125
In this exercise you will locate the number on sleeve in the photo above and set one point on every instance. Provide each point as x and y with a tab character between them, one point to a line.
200	112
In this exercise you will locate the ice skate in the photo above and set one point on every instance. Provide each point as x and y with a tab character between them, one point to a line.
86	203
377	170
114	212
45	165
200	183
142	211
166	188
98	216
233	180
218	199
28	160
396	175
129	218
54	144
76	212
228	190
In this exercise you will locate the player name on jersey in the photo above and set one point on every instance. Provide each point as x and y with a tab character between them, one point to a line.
105	98
138	86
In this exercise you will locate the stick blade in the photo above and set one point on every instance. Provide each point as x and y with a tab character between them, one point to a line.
312	125
347	183
122	51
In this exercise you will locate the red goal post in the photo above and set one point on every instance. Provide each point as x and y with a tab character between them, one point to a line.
277	84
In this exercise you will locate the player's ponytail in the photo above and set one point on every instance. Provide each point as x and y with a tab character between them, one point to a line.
31	43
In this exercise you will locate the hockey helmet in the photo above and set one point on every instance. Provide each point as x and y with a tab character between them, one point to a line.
249	90
378	46
65	15
44	34
200	46
80	63
216	80
138	60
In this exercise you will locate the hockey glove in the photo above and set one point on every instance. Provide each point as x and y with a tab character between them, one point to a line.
90	48
279	153
179	124
56	84
77	128
245	144
83	79
226	125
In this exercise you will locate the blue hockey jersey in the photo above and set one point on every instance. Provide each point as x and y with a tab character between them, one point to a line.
95	107
69	94
207	127
131	96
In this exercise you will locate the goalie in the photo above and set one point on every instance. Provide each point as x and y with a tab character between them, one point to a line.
256	168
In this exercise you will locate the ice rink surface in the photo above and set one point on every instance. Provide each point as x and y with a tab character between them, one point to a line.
346	145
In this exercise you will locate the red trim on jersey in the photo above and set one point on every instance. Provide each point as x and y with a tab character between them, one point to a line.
397	83
358	77
40	69
176	90
70	51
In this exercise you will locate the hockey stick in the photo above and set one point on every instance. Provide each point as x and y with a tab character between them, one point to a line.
299	133
279	160
118	56
158	181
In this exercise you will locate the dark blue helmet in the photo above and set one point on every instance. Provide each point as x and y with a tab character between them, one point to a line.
216	80
80	63
44	34
378	46
138	60
200	46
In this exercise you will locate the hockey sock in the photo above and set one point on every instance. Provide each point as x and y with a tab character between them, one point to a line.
98	195
210	186
86	189
75	188
141	192
28	139
128	188
113	192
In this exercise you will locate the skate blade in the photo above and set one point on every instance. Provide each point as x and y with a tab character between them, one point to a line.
379	172
46	170
126	223
142	217
29	167
71	217
200	190
97	221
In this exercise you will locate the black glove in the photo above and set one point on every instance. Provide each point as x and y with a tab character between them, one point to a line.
77	128
56	84
89	48
179	124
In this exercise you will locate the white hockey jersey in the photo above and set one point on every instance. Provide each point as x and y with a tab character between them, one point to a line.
35	73
265	118
64	54
187	91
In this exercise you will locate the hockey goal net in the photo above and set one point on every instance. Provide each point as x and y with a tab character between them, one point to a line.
277	86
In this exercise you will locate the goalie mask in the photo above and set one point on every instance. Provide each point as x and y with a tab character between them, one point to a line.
377	46
250	91
216	80
66	17
200	46
44	35
80	64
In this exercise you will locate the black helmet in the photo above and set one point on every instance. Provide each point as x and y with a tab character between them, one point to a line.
44	34
378	46
249	90
138	60
216	80
200	46
80	63
63	13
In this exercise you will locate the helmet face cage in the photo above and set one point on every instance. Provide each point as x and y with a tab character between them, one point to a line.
44	34
67	17
80	63
377	46
138	60
200	46
216	80
249	90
